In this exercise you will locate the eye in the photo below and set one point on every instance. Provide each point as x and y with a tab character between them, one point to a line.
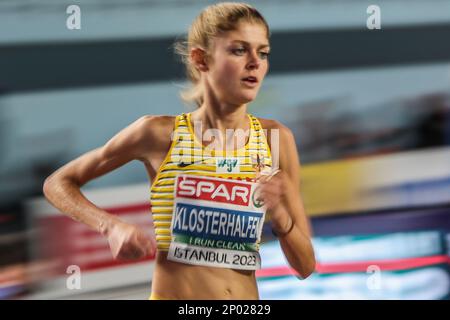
238	51
264	55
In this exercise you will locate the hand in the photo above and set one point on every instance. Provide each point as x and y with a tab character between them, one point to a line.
271	191
129	242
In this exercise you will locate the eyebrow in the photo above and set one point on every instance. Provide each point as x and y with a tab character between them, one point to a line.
264	45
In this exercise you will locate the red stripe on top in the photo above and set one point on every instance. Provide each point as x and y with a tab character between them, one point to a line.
360	266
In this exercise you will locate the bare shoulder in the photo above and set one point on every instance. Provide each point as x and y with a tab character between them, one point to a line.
147	135
155	124
155	131
269	123
154	127
283	132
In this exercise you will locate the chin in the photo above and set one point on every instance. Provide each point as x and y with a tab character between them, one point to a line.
247	97
242	100
240	97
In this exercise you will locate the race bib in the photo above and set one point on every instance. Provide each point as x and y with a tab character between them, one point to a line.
216	222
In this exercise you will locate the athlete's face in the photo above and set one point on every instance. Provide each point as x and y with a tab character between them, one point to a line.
239	63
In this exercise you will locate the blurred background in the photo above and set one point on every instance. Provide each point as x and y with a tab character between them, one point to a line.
370	110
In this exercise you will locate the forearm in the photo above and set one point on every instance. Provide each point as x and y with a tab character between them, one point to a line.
295	243
66	196
299	252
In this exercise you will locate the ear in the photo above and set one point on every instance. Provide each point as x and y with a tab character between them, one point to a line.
199	58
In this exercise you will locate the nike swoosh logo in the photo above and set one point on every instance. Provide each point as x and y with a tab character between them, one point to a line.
186	164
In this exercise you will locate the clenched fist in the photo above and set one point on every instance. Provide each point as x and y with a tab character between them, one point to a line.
129	242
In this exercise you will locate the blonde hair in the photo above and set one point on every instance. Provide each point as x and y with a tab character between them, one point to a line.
211	22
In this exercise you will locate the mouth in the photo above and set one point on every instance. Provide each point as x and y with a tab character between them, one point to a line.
250	81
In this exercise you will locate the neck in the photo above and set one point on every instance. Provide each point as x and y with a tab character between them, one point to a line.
230	120
219	115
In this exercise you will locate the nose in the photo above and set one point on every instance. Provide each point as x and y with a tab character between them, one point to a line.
253	62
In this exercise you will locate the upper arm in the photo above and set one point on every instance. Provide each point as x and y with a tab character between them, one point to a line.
289	163
129	144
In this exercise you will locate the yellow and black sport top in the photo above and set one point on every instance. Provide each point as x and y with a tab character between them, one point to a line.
187	155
